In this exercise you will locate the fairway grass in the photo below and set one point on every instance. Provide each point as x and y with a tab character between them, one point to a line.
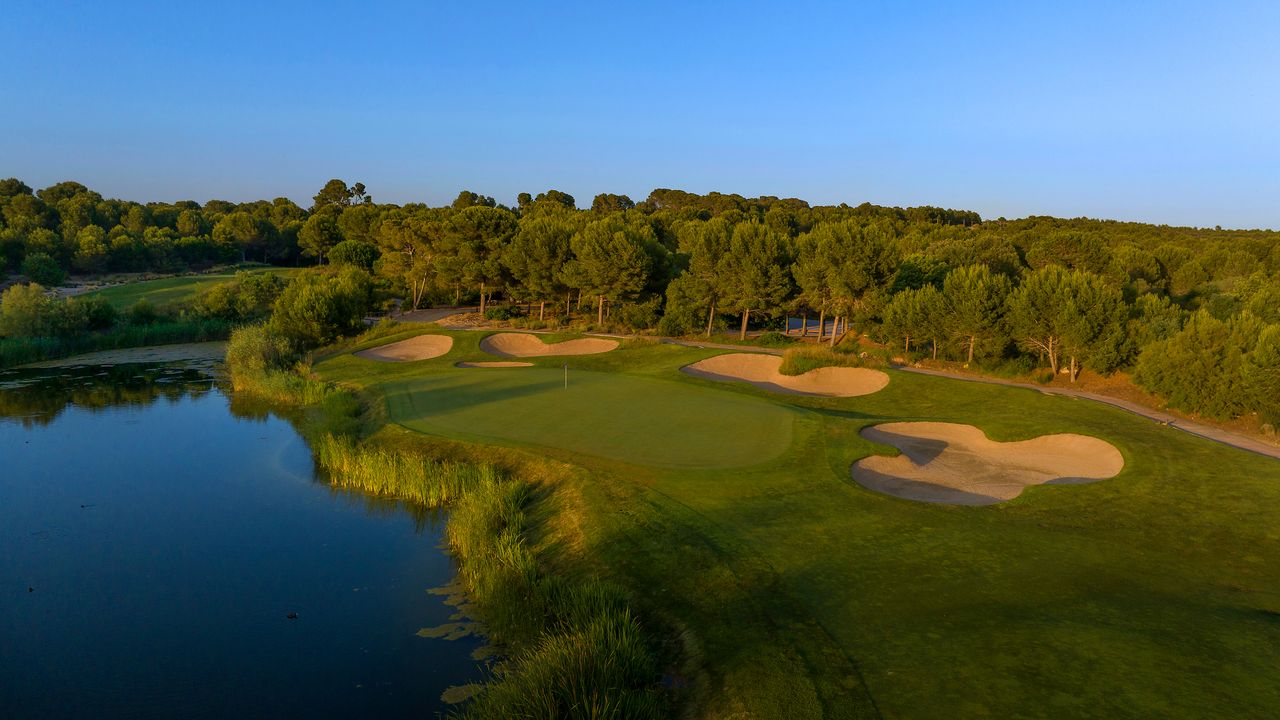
797	593
167	292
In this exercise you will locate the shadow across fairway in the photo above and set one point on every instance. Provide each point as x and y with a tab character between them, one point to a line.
478	393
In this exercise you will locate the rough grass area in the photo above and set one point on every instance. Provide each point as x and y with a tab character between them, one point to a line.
170	292
802	359
792	592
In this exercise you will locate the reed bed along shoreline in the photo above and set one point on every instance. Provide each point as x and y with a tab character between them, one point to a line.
567	648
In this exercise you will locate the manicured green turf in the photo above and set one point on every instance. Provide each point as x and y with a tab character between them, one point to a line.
170	291
633	419
1152	594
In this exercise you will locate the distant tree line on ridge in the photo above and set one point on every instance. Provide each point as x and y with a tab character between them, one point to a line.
1194	313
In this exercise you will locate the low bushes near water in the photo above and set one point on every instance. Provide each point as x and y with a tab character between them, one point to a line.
21	350
35	326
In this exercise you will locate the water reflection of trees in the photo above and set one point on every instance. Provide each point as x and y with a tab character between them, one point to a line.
248	407
38	397
35	398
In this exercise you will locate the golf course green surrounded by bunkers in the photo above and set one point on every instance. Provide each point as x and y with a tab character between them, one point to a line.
730	513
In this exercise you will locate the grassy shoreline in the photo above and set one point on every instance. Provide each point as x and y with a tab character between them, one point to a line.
571	645
21	351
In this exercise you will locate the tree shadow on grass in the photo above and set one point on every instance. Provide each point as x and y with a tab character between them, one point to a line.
427	401
749	645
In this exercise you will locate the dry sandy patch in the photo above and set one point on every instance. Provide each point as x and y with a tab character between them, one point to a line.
499	364
762	371
422	347
958	465
178	352
462	321
527	345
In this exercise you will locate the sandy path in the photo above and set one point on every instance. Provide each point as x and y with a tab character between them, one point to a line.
762	371
529	345
958	465
422	347
151	354
499	364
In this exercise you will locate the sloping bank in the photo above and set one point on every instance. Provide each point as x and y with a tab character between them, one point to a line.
572	647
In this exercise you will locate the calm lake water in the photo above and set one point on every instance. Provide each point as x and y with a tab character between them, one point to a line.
154	539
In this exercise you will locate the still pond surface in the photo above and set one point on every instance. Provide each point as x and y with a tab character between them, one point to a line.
155	539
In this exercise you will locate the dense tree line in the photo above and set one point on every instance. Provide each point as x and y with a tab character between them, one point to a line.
1062	294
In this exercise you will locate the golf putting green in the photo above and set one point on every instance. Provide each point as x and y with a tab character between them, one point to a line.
622	417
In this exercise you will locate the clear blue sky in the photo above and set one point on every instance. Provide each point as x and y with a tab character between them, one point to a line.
1161	111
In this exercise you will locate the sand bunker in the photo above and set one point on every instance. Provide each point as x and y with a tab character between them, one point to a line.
526	345
762	371
422	347
499	364
958	465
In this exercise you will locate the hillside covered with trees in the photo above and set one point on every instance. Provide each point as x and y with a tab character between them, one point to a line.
1194	313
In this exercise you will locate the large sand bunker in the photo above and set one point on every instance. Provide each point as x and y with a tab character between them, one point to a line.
499	364
959	465
527	345
762	371
422	347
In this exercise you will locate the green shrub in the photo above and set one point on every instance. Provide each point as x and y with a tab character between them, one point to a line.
638	315
354	253
41	268
98	312
249	297
141	313
503	312
774	338
319	307
26	312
